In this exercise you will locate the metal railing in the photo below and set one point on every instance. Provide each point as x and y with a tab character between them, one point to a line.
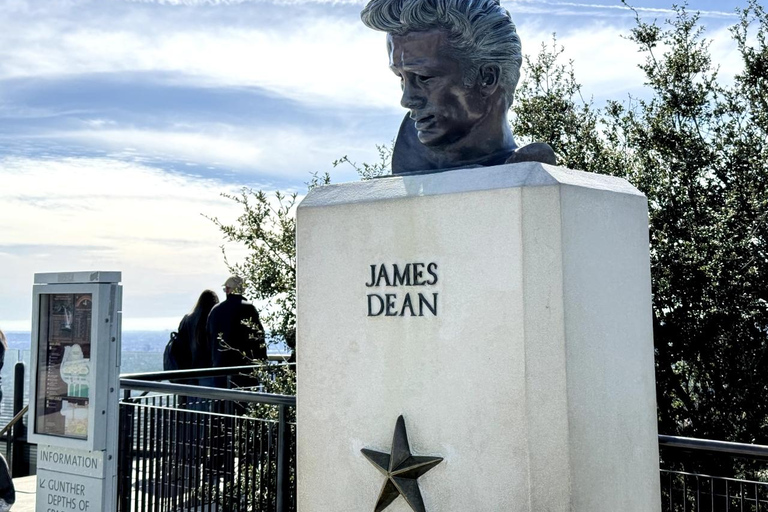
698	490
14	432
187	447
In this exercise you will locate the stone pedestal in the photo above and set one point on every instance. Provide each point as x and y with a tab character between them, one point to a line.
505	313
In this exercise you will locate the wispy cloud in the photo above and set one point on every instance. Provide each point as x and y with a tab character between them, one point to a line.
536	4
590	8
238	2
312	60
231	150
98	213
606	63
235	155
73	201
319	60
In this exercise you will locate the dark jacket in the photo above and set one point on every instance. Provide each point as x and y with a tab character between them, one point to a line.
239	344
2	361
7	490
196	353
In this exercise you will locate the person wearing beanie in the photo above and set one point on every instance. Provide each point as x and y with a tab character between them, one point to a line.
235	333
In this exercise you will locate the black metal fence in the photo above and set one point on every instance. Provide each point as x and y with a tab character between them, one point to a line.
688	484
195	448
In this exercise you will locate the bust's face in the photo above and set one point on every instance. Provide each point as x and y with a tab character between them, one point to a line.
445	111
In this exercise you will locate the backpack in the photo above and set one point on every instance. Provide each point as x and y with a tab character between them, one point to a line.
170	355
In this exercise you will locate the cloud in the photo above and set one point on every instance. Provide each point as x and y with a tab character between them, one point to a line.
315	60
230	150
101	214
283	156
38	250
531	6
589	9
237	2
319	57
74	201
606	63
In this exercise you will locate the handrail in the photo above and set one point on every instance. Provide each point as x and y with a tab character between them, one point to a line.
207	392
200	372
14	420
713	477
147	382
734	449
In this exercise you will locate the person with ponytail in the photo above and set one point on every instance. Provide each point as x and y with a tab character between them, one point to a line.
192	331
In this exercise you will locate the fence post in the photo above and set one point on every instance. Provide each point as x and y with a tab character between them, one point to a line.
282	460
125	453
18	464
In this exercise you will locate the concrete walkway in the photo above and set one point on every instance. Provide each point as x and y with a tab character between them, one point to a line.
25	494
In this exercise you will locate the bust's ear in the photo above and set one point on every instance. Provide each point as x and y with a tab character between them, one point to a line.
488	78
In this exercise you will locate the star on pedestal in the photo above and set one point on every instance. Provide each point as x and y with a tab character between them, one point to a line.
401	469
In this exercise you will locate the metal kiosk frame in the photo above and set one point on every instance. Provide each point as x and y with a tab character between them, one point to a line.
76	324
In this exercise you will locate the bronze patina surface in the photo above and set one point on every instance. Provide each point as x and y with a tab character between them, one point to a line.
458	63
402	470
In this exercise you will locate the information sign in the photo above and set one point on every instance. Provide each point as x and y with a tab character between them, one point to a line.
74	406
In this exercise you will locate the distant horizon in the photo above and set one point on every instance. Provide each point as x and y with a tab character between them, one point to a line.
133	340
129	324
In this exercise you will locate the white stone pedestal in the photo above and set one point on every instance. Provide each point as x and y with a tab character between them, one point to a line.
533	378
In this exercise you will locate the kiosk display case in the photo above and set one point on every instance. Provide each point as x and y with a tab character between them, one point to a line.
74	385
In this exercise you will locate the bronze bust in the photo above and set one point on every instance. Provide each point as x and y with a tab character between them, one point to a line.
459	63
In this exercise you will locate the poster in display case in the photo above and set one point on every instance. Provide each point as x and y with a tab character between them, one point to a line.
63	394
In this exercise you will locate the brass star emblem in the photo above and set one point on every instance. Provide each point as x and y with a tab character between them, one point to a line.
401	469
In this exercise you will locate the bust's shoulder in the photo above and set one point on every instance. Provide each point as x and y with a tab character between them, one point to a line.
534	152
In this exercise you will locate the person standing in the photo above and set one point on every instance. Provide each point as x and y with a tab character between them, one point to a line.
192	330
190	351
7	490
235	338
235	333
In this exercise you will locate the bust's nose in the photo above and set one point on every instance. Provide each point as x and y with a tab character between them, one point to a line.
412	98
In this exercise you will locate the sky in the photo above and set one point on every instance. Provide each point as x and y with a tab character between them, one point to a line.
123	121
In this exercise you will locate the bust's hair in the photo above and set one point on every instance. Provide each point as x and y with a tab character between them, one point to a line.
479	31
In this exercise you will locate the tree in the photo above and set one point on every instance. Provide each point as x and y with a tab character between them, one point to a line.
266	229
365	170
698	150
549	107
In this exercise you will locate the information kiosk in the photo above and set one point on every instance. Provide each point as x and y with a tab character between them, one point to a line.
76	319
